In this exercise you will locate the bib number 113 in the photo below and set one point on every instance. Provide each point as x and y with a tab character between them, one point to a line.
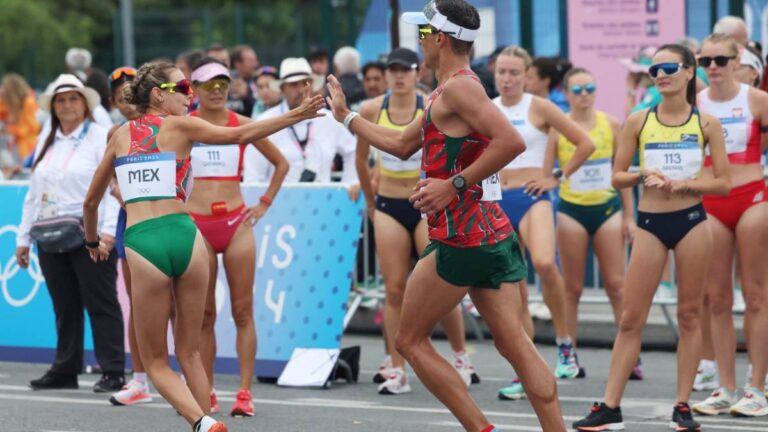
673	158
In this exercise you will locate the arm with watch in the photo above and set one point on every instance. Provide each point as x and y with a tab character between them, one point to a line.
584	149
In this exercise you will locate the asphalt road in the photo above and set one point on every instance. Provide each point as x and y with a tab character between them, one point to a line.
357	407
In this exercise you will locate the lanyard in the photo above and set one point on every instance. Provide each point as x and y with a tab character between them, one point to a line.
301	144
78	141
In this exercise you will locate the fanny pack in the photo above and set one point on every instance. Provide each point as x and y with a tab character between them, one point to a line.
59	234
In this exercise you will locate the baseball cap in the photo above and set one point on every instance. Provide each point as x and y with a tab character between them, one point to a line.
403	57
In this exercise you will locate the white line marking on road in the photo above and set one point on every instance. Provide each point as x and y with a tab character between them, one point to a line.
482	378
648	423
501	426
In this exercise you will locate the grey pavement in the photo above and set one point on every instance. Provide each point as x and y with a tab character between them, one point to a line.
357	407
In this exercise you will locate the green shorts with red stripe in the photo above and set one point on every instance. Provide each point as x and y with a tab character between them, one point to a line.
480	267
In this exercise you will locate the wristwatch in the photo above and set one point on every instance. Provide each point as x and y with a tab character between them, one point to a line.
557	173
93	244
459	183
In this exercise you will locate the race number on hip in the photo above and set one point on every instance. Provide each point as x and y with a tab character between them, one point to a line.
593	175
215	160
146	176
678	161
492	188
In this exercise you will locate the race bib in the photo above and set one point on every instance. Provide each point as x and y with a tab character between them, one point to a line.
678	161
734	134
395	164
593	175
146	176
492	188
215	160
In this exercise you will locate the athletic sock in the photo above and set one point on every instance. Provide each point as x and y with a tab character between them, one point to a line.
563	341
203	424
708	365
140	377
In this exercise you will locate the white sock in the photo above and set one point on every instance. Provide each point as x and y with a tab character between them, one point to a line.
459	353
708	365
564	341
205	423
140	377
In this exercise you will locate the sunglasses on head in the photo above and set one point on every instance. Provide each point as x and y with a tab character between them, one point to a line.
123	72
720	60
587	88
667	68
184	87
215	84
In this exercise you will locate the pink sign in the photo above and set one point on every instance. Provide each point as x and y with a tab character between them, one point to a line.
603	32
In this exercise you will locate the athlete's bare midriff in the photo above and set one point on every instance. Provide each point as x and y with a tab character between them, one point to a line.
205	192
396	187
516	178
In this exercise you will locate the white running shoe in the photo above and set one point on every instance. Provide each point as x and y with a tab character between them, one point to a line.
397	383
719	402
739	306
462	365
753	404
133	393
706	377
385	370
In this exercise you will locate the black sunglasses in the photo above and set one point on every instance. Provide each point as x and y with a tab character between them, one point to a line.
720	60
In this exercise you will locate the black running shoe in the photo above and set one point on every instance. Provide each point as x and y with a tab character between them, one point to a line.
601	418
682	419
109	382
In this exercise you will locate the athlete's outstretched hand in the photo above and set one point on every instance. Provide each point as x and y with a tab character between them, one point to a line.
310	105
336	99
432	195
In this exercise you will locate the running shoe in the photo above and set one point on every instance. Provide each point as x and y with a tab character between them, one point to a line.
109	382
739	307
719	402
397	383
601	418
385	370
567	366
466	369
209	424
243	406
753	404
682	419
133	393
706	378
637	371
665	291
215	409
748	380
582	369
512	392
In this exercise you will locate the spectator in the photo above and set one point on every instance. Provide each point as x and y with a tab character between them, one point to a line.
65	161
346	63
734	26
18	116
309	145
217	51
98	81
639	82
187	59
750	69
268	97
243	91
373	79
319	61
78	62
544	78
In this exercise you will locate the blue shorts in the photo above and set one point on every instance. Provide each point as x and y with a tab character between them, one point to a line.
122	219
516	203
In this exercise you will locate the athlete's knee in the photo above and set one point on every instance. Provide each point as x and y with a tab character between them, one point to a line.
573	291
394	296
406	343
186	355
631	322
242	314
688	317
545	267
209	318
721	303
613	288
509	343
755	300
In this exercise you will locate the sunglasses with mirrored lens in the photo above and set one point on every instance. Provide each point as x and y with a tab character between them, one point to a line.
720	60
424	31
667	68
184	87
123	72
587	88
216	84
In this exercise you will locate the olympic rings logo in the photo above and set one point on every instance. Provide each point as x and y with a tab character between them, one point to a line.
9	270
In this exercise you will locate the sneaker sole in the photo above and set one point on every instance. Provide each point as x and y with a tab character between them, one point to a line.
710	412
379	379
117	402
516	397
737	413
675	427
387	392
606	427
475	378
241	413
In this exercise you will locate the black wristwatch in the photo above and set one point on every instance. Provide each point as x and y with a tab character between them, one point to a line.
93	244
557	173
459	183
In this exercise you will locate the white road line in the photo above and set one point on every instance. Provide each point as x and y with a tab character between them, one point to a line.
506	427
483	378
512	427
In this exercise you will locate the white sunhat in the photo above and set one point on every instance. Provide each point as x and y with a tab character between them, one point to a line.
430	15
748	58
67	83
295	69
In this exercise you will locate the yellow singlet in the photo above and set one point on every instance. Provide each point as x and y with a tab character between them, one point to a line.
591	183
392	166
676	151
